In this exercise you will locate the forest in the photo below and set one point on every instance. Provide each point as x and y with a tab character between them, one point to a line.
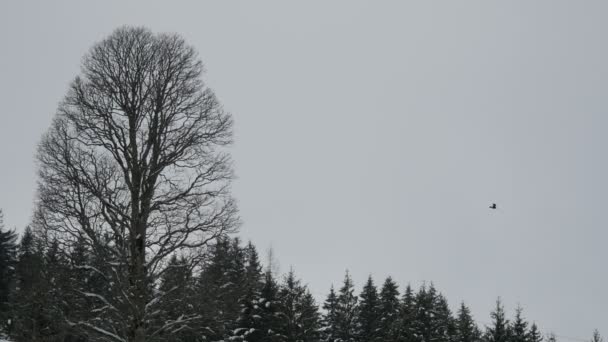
48	296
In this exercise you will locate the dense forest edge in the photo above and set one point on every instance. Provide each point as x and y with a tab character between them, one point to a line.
232	297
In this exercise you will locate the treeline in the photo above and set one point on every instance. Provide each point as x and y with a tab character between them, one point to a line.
45	294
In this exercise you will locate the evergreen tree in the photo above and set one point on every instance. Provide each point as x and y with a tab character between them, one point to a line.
389	311
431	320
8	260
443	323
299	314
596	336
534	335
253	268
271	319
368	313
330	318
290	294
261	319
407	314
54	285
346	312
248	325
466	329
498	331
551	337
220	289
174	295
519	327
28	300
77	307
310	319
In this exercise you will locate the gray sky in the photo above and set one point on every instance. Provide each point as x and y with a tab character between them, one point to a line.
373	136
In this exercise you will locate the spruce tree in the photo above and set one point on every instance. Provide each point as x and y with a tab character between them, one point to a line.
346	312
299	313
248	325
534	335
368	313
406	316
310	319
330	318
290	295
519	327
443	322
271	318
28	300
8	260
389	307
466	329
220	289
596	336
498	331
175	295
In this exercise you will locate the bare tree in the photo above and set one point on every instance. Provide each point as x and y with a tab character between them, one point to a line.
135	165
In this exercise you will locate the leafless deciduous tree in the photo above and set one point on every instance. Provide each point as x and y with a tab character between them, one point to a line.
135	165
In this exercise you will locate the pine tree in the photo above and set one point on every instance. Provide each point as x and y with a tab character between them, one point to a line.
499	330
261	319
220	289
77	306
466	329
174	295
534	335
368	313
443	322
406	316
596	336
248	324
28	300
551	337
53	287
290	294
388	311
8	260
310	319
300	318
519	327
253	268
271	319
346	312
330	318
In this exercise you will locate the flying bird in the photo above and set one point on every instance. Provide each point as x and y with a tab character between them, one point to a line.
493	206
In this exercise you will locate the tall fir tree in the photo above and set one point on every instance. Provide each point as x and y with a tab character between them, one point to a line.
389	306
407	314
519	327
8	261
596	336
534	335
432	317
499	330
310	319
368	313
174	295
299	314
330	317
31	321
466	329
346	312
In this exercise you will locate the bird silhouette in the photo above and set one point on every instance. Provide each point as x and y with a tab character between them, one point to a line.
493	206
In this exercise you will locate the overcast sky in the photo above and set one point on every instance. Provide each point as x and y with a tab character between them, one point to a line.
373	136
